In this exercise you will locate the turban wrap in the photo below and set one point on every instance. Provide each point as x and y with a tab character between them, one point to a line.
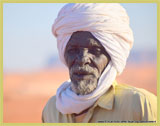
109	23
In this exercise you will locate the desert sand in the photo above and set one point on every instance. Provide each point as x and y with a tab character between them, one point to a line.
25	94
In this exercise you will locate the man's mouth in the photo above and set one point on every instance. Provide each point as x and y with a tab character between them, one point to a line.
82	74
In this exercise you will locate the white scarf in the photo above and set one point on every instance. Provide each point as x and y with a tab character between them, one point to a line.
69	102
109	23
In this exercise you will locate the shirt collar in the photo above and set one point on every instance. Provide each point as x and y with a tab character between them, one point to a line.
106	101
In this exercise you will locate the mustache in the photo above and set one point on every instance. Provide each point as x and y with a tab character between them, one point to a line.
83	70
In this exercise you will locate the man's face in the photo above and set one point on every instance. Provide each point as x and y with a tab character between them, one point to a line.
86	59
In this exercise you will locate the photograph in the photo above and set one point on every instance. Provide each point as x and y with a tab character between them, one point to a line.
80	63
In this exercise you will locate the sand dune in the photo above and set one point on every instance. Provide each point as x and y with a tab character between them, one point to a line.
25	94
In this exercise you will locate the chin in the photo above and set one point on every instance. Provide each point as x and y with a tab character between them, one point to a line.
84	87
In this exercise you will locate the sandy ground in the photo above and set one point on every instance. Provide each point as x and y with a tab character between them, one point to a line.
25	94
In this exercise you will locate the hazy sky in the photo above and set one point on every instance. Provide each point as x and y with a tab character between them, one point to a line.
28	41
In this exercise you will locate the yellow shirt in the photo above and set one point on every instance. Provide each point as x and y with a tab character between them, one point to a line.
121	103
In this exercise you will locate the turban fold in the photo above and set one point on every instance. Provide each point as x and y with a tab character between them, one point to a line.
109	23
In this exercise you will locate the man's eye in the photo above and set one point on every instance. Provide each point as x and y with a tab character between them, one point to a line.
97	49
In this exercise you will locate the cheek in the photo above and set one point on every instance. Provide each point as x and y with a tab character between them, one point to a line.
102	62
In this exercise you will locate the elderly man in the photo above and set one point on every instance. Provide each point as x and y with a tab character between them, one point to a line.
94	41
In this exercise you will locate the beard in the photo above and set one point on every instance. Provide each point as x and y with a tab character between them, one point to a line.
84	87
84	79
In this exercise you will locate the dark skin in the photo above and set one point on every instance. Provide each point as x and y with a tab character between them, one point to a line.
86	59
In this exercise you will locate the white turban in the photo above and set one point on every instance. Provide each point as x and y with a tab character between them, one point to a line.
109	23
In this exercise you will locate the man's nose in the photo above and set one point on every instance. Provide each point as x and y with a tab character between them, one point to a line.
83	57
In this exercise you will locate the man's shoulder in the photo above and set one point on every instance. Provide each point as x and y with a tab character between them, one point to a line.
128	95
51	104
134	96
125	89
52	100
140	102
50	112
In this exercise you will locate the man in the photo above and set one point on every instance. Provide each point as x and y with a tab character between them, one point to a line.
94	41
